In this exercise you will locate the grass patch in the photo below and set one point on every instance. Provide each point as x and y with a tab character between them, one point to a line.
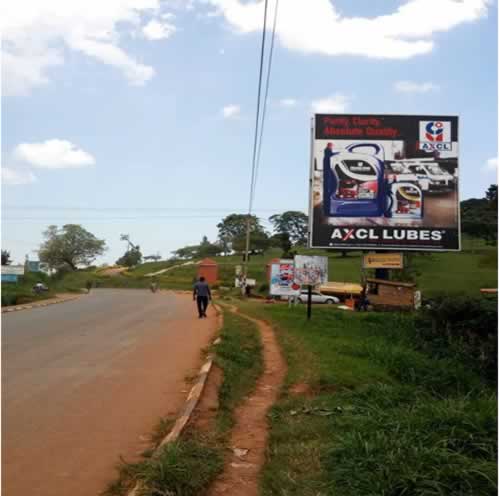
187	466
240	356
381	415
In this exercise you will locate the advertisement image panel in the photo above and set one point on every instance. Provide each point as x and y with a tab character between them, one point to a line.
311	270
384	182
282	279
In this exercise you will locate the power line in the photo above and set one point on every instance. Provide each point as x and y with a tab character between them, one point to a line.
256	147
258	101
267	84
103	209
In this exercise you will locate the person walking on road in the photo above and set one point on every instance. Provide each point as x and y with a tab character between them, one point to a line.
202	295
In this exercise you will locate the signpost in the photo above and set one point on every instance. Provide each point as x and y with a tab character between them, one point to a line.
383	261
310	271
282	279
11	273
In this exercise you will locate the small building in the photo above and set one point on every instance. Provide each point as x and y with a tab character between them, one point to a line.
208	269
391	294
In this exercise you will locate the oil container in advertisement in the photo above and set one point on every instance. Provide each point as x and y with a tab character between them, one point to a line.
405	201
354	184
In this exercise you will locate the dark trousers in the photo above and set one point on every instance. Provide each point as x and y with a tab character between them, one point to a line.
202	302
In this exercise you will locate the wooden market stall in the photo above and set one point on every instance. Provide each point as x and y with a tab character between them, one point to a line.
391	294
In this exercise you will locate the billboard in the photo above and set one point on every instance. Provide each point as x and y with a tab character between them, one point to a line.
311	270
282	279
384	182
17	270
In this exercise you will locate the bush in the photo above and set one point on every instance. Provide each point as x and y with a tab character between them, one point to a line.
264	288
464	327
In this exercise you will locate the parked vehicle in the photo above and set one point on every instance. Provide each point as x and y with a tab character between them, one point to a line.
317	297
39	287
426	172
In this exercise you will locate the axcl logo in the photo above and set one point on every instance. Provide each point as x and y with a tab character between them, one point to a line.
387	234
435	135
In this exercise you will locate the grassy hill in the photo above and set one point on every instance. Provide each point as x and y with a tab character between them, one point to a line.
463	272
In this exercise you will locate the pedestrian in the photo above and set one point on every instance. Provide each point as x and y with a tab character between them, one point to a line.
89	286
202	295
363	301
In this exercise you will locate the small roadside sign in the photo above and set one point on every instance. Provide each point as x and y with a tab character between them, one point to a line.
383	261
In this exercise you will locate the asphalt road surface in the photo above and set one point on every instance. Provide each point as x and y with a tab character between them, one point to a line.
86	381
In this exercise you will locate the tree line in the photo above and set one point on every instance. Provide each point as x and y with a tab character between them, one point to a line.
289	231
71	246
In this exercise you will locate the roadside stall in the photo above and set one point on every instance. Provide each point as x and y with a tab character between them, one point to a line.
394	295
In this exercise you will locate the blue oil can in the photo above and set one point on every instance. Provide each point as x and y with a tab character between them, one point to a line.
354	183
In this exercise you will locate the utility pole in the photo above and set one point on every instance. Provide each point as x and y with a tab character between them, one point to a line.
246	251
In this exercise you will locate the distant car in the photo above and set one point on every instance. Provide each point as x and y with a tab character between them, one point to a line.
39	287
317	297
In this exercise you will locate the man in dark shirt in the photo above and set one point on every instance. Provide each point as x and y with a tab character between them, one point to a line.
202	294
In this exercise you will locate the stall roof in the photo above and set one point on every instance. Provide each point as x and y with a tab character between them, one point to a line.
392	283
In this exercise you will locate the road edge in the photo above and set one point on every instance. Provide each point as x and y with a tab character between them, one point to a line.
17	308
190	404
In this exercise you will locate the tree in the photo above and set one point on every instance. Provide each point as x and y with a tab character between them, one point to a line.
234	226
259	243
154	258
491	195
207	249
131	257
282	241
6	260
292	222
186	252
479	216
69	247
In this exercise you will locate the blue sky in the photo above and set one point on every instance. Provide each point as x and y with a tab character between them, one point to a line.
137	116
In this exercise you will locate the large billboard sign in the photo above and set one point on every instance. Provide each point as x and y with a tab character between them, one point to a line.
384	182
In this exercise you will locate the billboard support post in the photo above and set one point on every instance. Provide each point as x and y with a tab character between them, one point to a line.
309	303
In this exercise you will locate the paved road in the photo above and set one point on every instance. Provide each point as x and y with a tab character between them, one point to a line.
85	382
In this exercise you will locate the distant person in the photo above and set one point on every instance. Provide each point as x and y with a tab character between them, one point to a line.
363	300
154	286
202	295
89	286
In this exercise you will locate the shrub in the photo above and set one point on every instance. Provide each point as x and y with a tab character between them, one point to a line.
464	327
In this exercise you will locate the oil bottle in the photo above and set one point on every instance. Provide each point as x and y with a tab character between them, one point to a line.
354	184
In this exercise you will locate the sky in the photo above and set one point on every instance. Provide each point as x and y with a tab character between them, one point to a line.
137	116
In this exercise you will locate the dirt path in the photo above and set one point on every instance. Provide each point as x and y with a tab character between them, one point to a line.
241	474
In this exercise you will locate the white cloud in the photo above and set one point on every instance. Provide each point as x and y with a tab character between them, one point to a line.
11	176
155	30
53	154
221	51
414	87
491	165
336	103
320	28
35	34
287	102
231	111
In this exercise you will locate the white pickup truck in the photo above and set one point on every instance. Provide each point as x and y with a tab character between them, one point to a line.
424	171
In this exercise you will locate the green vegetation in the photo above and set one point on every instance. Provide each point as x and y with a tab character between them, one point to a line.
435	273
381	409
187	466
22	292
